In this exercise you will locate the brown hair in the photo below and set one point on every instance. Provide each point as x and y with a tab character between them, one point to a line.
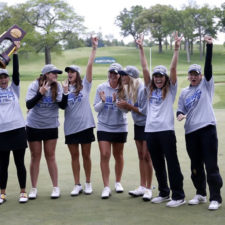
78	84
53	86
165	88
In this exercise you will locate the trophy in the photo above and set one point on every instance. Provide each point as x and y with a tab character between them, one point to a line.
7	46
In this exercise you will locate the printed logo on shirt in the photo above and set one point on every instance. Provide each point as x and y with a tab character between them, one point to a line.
6	96
109	103
193	99
156	97
46	102
72	98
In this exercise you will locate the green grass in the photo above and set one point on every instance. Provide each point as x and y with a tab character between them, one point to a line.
30	66
120	209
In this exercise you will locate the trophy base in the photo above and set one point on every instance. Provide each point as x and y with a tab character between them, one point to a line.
3	62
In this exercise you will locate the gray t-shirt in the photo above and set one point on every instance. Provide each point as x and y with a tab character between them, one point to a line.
78	114
160	115
11	116
196	103
141	104
110	117
46	112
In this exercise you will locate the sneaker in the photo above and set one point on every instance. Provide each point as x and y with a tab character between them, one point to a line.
76	190
175	203
55	193
88	188
138	191
214	205
147	195
197	200
160	199
118	187
106	193
23	197
33	193
2	198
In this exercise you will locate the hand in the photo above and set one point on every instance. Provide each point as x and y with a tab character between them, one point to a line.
17	46
114	97
140	40
122	104
44	87
177	41
94	41
65	86
102	95
208	39
181	117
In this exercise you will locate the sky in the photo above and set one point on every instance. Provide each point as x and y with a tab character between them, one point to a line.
100	15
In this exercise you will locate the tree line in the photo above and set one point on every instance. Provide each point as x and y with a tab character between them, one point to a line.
53	25
160	21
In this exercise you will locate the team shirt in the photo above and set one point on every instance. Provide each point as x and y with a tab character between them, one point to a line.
160	115
46	112
196	103
110	117
141	104
78	114
11	116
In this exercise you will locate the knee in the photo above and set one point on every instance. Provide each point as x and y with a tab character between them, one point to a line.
105	157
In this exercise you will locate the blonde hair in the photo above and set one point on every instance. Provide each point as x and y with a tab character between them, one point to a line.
131	89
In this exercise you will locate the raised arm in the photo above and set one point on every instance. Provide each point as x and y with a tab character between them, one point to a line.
144	63
208	58
94	41
173	66
16	75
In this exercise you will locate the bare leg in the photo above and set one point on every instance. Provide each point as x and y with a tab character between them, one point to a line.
74	152
49	149
86	154
119	162
139	145
147	165
35	149
105	151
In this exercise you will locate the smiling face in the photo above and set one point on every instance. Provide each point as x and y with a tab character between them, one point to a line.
52	77
159	80
125	79
72	76
194	78
113	79
4	81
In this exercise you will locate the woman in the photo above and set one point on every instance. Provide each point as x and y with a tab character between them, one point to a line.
12	129
44	97
195	104
137	99
79	122
159	127
112	127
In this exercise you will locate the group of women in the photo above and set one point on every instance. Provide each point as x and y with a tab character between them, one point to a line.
151	105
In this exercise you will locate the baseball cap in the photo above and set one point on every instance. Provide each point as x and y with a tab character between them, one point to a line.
74	68
195	67
50	68
115	67
4	71
131	71
160	70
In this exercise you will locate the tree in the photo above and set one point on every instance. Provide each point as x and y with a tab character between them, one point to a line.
128	23
221	15
53	20
152	19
